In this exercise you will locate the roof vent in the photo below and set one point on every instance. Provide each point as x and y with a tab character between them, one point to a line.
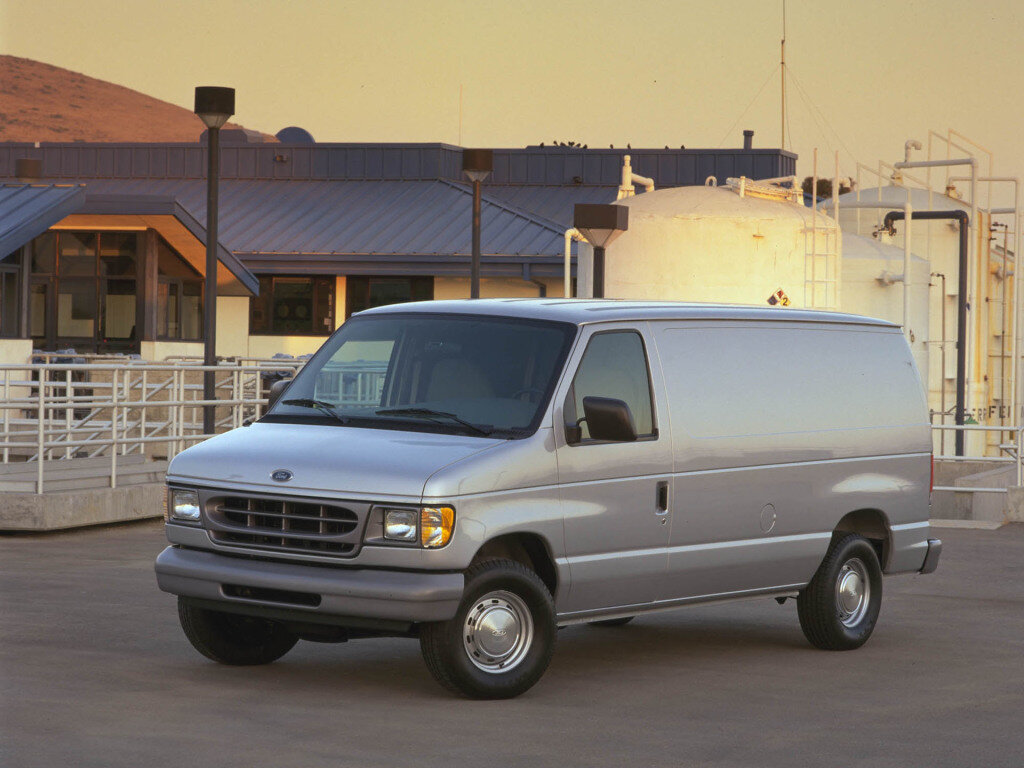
748	139
28	169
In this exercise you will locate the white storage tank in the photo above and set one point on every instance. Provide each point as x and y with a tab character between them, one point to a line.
715	244
872	272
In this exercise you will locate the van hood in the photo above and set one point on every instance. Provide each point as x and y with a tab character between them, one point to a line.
336	461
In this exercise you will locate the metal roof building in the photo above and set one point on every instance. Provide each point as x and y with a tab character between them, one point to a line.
387	222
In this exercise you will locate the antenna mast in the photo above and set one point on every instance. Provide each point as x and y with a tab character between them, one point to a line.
782	64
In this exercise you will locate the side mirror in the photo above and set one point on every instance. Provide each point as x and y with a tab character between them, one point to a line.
609	419
276	390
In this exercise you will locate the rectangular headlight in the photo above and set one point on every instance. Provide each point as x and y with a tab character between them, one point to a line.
184	505
400	524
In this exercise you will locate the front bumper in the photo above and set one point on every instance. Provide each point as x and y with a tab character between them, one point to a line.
323	595
931	559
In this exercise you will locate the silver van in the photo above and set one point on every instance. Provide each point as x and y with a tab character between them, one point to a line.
476	474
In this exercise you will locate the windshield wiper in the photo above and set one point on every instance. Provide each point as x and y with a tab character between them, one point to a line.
428	413
320	405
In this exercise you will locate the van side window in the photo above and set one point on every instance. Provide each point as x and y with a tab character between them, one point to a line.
614	365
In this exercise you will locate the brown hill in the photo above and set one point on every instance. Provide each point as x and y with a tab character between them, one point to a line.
40	102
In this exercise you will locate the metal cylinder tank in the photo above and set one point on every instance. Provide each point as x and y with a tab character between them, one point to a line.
720	244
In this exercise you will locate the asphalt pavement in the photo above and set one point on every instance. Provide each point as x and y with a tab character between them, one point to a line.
94	671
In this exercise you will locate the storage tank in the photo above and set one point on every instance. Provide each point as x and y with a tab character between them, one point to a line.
872	276
721	244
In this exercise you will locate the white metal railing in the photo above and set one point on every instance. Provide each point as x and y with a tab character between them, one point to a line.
1013	449
57	412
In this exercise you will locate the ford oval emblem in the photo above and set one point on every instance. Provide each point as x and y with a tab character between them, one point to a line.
281	475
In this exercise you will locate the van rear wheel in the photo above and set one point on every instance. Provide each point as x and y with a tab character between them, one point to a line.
839	608
233	639
501	639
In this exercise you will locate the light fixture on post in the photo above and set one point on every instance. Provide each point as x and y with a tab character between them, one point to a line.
477	164
600	225
214	105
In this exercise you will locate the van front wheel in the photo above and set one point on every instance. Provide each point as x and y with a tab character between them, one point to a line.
840	606
229	638
501	639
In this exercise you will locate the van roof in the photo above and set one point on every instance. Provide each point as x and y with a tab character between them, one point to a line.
582	311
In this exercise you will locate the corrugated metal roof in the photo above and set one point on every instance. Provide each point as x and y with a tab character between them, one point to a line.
28	210
353	217
555	204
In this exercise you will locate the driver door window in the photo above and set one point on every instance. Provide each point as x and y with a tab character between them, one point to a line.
614	365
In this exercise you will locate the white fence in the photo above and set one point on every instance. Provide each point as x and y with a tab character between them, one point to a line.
58	412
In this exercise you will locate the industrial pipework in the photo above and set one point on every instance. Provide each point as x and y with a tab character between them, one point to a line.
961	313
627	187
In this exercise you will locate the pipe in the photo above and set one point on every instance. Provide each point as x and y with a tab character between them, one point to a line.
908	145
629	179
942	362
961	314
748	139
570	234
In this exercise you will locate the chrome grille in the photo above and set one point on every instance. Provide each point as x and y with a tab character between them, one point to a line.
308	527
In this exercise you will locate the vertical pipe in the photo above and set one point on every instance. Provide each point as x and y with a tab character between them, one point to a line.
7	412
69	394
113	427
598	291
210	299
41	438
908	209
567	277
961	336
474	279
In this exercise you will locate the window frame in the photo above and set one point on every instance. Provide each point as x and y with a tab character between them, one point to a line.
330	283
570	394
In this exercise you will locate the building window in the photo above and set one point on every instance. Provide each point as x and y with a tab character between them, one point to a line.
84	290
368	292
9	284
293	306
179	296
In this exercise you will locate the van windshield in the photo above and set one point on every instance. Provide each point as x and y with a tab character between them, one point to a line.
459	374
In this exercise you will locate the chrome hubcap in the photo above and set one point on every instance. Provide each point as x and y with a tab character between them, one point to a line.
498	632
853	592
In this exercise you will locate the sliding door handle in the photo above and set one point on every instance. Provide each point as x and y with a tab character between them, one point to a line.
662	501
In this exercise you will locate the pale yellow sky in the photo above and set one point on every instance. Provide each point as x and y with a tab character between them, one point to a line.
649	73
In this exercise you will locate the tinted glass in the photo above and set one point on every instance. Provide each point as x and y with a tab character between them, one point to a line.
37	310
614	365
191	310
368	292
77	254
119	309
44	253
167	311
117	253
292	305
8	303
496	373
76	309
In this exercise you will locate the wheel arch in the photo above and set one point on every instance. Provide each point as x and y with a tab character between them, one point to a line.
873	525
529	549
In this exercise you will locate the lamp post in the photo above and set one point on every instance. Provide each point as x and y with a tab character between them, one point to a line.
600	224
214	105
477	165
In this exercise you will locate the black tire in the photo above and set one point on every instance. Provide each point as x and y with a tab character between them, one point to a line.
514	590
835	622
229	638
619	622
